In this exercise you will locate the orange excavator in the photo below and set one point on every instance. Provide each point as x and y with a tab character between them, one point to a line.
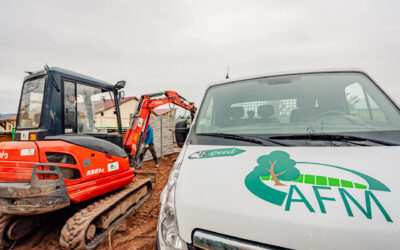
63	157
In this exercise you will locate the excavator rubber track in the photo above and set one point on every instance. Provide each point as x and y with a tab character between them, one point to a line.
90	225
15	227
5	220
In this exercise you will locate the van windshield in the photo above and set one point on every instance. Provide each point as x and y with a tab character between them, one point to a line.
31	104
322	103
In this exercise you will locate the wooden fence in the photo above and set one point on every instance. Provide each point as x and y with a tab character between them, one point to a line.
5	136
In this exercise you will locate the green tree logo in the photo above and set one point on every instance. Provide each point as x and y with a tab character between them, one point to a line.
278	164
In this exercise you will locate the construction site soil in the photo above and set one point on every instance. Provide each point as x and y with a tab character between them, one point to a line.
137	231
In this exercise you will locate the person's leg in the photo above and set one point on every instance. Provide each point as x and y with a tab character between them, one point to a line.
142	154
153	152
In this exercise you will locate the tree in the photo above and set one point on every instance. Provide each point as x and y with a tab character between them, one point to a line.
278	164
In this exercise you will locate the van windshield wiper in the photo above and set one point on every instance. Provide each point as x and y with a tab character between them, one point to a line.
242	138
331	137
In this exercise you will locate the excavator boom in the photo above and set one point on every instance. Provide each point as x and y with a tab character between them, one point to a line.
147	104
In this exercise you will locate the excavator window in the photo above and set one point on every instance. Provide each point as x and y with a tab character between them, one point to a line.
31	104
70	108
85	108
87	98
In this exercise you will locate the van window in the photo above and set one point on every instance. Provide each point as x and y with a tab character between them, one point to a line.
361	105
206	122
377	113
298	104
283	107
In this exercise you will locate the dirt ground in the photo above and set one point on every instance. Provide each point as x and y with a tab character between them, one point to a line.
137	231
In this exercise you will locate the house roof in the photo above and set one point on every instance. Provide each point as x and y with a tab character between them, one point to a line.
103	105
11	117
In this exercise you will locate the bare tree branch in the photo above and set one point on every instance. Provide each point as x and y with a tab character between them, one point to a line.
267	170
280	173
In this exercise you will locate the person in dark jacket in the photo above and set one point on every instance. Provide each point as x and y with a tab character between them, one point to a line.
149	145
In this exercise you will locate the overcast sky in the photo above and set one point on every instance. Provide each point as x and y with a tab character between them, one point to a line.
185	45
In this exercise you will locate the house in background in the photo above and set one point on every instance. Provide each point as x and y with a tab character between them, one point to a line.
162	120
105	117
7	122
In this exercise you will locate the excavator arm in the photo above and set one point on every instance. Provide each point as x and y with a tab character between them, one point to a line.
147	104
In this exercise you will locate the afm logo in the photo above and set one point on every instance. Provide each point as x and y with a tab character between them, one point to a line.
3	155
278	166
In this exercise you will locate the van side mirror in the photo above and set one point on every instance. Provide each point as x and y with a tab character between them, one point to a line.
181	132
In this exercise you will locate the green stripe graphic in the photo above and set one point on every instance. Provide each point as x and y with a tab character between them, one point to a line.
322	181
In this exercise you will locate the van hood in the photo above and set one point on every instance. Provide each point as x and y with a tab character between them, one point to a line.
293	197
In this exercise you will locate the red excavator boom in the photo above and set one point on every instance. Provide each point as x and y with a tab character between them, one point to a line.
147	104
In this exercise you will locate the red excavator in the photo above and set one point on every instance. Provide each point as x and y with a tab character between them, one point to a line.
65	156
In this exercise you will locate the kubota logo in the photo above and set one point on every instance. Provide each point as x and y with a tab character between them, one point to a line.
3	155
265	182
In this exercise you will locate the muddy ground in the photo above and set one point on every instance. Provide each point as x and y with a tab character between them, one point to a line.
135	232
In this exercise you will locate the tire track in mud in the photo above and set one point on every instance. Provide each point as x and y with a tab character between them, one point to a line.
139	231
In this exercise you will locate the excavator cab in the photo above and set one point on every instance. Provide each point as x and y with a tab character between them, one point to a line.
56	101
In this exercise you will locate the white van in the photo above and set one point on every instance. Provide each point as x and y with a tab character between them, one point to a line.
304	160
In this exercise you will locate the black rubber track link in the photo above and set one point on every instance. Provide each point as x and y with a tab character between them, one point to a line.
73	234
5	220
